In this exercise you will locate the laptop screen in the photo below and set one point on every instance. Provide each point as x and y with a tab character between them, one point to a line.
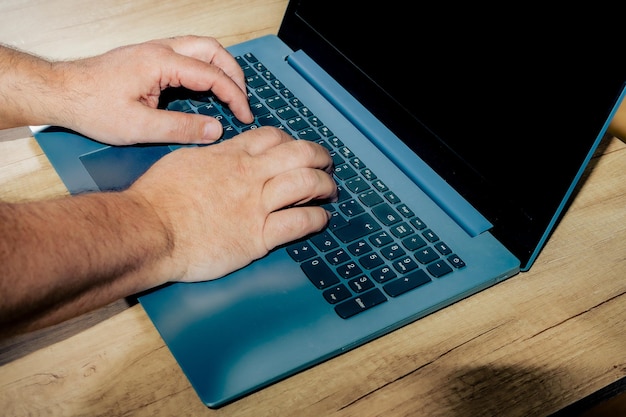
505	105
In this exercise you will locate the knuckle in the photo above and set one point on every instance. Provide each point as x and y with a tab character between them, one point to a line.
309	179
270	134
306	150
272	131
187	127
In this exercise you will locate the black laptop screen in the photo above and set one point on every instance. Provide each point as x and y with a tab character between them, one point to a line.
504	105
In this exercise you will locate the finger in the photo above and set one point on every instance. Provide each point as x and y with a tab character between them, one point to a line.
206	56
288	225
298	186
294	154
208	50
277	151
169	126
200	76
258	141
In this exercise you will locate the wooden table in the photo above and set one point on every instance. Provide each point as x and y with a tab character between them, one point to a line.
529	346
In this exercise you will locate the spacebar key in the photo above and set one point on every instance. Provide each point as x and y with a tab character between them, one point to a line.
361	303
358	227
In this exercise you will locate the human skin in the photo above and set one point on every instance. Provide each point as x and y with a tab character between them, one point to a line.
196	214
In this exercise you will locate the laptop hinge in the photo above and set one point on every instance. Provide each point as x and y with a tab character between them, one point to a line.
427	179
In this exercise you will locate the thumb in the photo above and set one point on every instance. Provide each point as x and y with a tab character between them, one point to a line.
171	126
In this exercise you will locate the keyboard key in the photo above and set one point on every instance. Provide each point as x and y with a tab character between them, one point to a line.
380	186
297	123
229	132
383	274
267	75
405	210
305	112
386	214
325	131
337	159
357	185
381	239
370	198
430	235
392	197
368	174
455	261
264	91
258	109
357	228
337	257
351	208
337	221
417	223
314	121
335	294
349	270
240	60
286	113
361	284
392	251
335	141
345	152
209	109
406	283
413	242
309	134
344	171
442	248
371	260
405	265
276	102
268	120
343	195
439	269
250	57
325	145
426	255
401	230
359	248
361	303
357	163
179	105
256	81
277	84
301	251
324	241
319	273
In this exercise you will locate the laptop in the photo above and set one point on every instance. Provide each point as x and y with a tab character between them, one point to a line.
458	144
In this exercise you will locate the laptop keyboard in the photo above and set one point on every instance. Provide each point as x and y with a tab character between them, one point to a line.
376	247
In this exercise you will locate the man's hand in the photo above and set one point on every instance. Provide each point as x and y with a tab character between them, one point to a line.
229	204
113	97
116	94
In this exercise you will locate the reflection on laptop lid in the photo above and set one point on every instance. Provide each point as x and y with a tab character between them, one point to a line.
482	130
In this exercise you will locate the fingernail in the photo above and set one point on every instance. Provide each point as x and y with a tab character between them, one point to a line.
212	131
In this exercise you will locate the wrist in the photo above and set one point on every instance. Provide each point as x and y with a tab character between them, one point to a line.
24	81
160	238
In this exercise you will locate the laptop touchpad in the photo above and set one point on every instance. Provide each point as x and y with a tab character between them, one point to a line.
116	168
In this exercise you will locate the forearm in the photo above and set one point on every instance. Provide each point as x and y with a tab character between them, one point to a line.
29	89
63	257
